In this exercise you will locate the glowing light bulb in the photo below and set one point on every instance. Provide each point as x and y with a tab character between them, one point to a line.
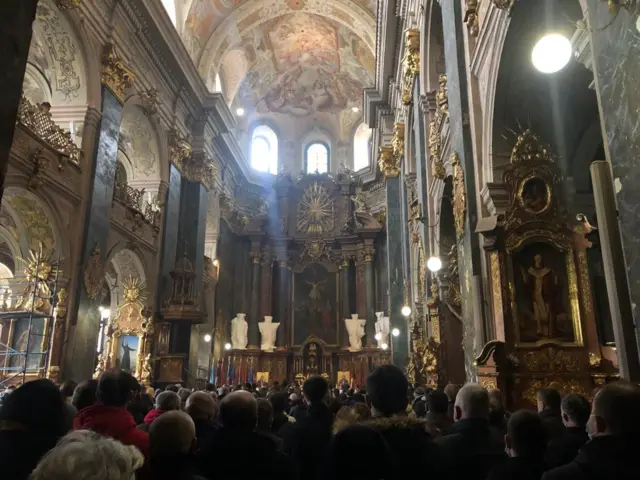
207	338
434	264
240	111
551	53
378	336
227	346
384	346
395	332
406	310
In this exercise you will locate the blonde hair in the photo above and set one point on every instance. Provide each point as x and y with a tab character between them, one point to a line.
86	455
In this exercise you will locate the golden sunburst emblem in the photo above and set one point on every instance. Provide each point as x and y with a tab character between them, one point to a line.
40	266
315	211
134	290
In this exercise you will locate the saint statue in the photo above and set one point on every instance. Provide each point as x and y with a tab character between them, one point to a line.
125	362
542	281
355	328
382	329
314	293
239	330
268	332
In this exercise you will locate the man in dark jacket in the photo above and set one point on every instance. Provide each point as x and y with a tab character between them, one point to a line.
279	402
236	445
575	414
612	452
307	440
165	402
526	442
110	416
413	448
437	408
203	410
472	446
549	401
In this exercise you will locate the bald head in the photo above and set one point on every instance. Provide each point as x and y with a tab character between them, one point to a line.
167	400
616	410
172	433
201	406
472	401
239	411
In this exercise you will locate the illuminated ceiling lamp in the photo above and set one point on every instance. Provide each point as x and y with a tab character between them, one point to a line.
434	264
240	111
551	53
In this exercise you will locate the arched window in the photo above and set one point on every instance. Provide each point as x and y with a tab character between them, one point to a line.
316	158
264	150
170	7
361	139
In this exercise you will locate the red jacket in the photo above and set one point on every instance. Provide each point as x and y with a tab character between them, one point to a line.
115	422
153	414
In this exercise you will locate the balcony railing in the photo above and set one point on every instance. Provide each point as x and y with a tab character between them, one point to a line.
37	119
133	199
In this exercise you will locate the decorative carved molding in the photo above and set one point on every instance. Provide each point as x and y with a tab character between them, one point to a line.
551	360
504	4
94	274
410	64
459	195
202	169
179	148
389	166
150	101
435	129
314	251
115	74
397	142
68	4
315	211
471	17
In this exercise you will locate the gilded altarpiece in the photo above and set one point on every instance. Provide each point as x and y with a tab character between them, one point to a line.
541	297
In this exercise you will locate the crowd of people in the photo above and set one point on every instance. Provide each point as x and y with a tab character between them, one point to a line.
114	429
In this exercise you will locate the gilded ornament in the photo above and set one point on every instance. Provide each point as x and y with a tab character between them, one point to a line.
529	148
201	169
410	64
496	285
489	384
68	4
459	195
115	74
585	282
314	250
442	95
134	289
146	375
40	272
94	274
150	101
100	367
504	4
594	360
179	148
62	303
551	360
315	211
397	141
388	163
471	17
454	296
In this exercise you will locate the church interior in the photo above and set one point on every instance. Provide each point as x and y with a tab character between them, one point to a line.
218	191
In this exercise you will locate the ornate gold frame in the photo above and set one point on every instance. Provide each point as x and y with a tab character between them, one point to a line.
523	182
563	243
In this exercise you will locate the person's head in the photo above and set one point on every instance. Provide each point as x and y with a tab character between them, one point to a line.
38	407
359	441
420	408
279	402
183	394
526	435
265	414
172	388
88	455
171	434
472	401
451	391
387	390
67	388
495	399
549	399
315	389
239	411
116	388
85	394
168	401
344	418
437	402
201	406
615	411
575	411
361	411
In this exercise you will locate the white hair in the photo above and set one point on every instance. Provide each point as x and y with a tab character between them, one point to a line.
473	400
86	455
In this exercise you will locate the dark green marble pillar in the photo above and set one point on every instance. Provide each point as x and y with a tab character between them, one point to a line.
395	272
81	353
369	299
283	303
345	307
254	308
16	18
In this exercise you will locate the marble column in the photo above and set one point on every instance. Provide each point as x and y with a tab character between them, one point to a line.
369	297
615	43
254	308
469	251
395	272
16	18
284	303
81	353
169	245
345	307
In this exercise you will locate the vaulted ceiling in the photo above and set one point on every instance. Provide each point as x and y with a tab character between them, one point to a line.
298	63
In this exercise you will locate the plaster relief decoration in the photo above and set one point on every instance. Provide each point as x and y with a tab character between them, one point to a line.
438	170
55	48
388	163
239	332
35	221
94	274
315	211
179	148
459	195
139	142
542	269
355	328
268	331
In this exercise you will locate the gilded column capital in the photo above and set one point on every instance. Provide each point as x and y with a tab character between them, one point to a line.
397	141
471	17
200	168
389	165
68	4
367	254
256	258
410	64
115	74
459	194
179	148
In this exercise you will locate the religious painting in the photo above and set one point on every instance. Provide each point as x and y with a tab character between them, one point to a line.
315	302
27	344
542	275
534	195
127	353
262	377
